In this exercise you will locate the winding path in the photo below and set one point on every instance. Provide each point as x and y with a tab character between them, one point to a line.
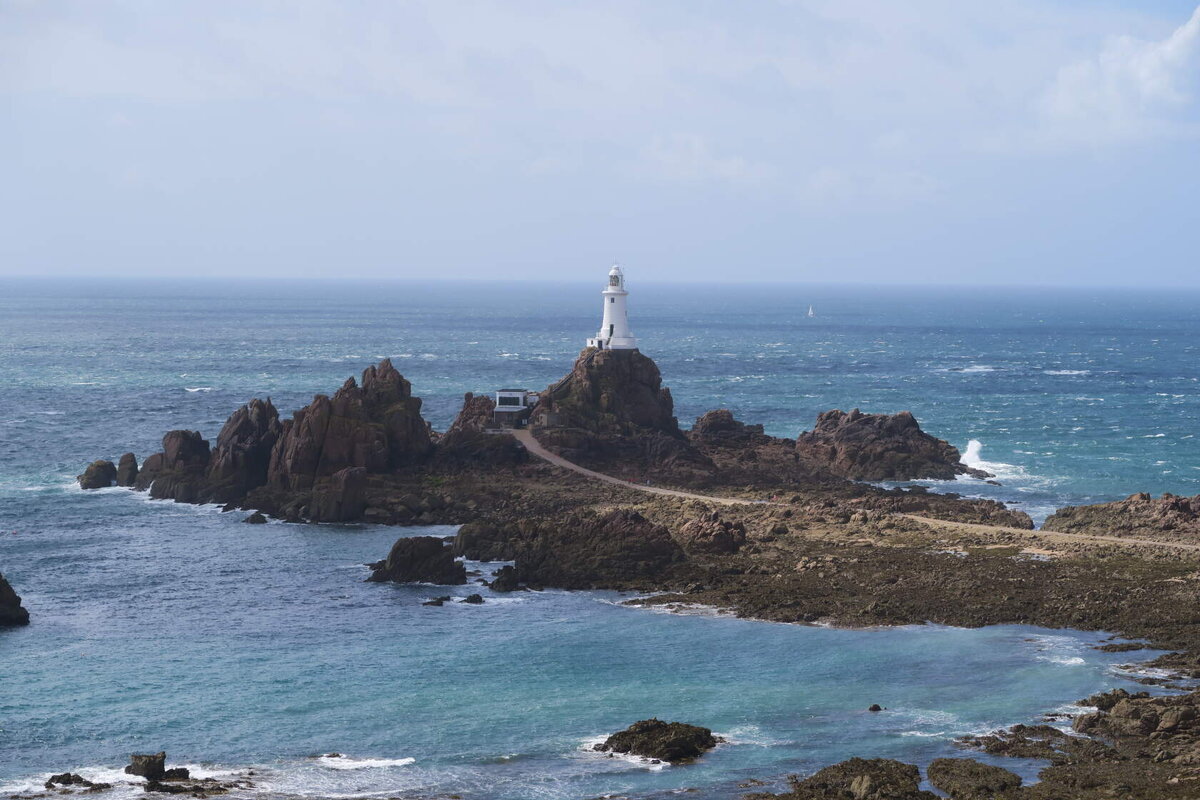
526	438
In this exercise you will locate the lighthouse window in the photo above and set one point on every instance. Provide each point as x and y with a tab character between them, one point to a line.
613	280
612	299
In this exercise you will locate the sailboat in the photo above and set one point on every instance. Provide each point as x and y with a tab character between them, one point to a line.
811	313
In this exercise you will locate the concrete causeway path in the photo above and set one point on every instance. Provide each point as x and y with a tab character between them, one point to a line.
526	438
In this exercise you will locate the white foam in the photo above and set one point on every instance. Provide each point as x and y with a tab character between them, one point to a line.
198	388
1067	371
337	761
979	368
588	747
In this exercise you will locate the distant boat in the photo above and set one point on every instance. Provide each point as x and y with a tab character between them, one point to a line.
811	313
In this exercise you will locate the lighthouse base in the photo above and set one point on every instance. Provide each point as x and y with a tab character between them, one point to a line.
613	343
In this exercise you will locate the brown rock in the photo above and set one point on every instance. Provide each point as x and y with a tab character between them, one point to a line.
1169	517
420	559
968	779
127	470
98	475
711	534
242	454
152	767
673	742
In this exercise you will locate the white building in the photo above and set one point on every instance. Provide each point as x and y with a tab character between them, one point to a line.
614	331
513	406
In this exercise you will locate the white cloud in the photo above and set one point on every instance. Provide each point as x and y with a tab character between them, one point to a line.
1132	90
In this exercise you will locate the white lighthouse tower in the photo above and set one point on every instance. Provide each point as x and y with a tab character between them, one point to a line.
614	330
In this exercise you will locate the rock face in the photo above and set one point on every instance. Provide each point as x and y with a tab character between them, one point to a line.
98	475
1169	517
480	541
178	472
612	410
152	767
859	779
243	453
127	470
466	443
720	427
618	549
711	534
11	610
967	779
673	742
420	559
879	447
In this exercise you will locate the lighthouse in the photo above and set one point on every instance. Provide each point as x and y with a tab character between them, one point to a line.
614	331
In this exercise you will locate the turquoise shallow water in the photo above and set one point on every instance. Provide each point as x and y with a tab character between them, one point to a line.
176	627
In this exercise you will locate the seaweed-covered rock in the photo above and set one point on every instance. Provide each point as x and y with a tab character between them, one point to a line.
968	779
879	447
859	779
11	610
711	534
620	548
98	475
673	742
420	559
151	766
480	541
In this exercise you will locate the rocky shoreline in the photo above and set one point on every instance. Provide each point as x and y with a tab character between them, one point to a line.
812	544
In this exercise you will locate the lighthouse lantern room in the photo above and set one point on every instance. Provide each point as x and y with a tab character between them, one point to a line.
614	331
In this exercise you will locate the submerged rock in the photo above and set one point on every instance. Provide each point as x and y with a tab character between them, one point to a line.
673	742
473	599
420	559
879	447
98	475
968	779
11	611
257	518
72	779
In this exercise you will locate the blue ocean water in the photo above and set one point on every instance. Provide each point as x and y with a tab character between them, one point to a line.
165	626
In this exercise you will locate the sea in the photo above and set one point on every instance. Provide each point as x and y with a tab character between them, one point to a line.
259	649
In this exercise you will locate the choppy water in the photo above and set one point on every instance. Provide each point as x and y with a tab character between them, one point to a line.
166	626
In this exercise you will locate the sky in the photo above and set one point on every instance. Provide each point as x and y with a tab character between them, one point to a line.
1022	142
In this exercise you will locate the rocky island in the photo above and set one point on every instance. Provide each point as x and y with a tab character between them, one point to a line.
11	610
606	490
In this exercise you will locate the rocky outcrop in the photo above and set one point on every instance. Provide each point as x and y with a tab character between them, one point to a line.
1169	517
879	447
178	472
719	427
858	779
673	742
152	767
466	443
612	411
11	610
420	559
127	470
968	779
376	426
68	779
98	475
711	534
240	461
481	541
618	549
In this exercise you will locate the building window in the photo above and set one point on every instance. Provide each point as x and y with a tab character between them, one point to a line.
509	401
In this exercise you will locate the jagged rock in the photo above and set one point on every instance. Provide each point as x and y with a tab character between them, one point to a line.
879	447
178	472
859	779
98	475
466	442
1139	515
152	767
711	534
376	427
473	599
968	779
617	549
11	610
242	455
673	742
127	470
424	559
612	409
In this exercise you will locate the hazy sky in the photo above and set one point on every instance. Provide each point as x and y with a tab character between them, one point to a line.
1012	141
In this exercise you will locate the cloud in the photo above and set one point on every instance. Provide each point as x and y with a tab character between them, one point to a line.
688	158
1132	90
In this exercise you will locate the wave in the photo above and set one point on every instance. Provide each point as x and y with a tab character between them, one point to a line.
588	748
339	761
198	388
1067	372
